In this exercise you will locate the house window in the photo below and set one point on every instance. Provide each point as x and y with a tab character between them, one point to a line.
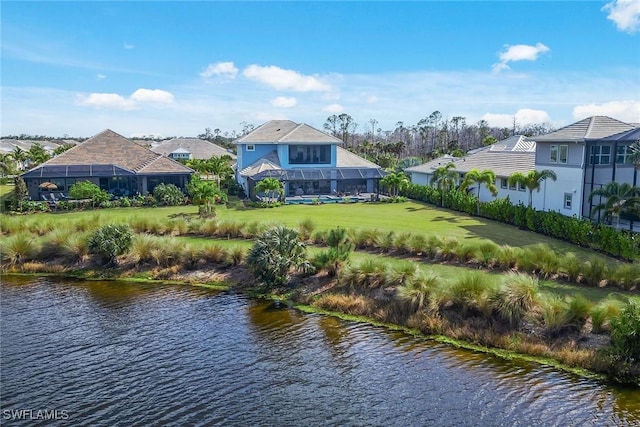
512	186
568	199
600	155
521	187
503	183
563	152
251	148
559	154
309	154
623	153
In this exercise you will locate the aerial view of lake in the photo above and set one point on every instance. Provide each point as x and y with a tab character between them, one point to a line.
119	353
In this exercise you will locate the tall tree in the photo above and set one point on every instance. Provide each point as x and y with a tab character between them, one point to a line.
475	177
20	156
532	180
37	154
272	187
445	179
395	182
621	198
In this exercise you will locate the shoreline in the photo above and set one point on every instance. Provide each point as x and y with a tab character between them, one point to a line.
228	279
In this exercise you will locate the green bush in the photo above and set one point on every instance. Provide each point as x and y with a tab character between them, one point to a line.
88	190
168	195
110	241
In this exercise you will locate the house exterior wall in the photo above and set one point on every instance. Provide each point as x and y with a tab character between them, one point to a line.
246	157
420	178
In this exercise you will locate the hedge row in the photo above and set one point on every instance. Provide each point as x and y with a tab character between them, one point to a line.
618	243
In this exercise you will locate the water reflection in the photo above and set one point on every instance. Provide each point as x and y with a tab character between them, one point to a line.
114	353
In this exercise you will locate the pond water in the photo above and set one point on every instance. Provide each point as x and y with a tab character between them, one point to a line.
116	353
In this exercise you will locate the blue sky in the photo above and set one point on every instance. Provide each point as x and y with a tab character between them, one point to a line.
176	68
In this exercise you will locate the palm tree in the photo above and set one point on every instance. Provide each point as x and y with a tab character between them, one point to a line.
6	164
395	182
531	180
486	177
445	179
275	253
621	198
20	156
272	187
635	153
204	193
220	167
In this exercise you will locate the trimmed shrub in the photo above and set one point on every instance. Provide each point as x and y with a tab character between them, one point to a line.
110	241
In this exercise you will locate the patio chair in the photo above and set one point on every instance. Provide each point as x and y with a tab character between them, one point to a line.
53	197
63	196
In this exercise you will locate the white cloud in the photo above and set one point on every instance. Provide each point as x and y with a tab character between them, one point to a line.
626	111
372	99
334	108
625	14
119	102
107	100
154	96
523	117
223	69
284	102
101	77
519	52
281	79
128	46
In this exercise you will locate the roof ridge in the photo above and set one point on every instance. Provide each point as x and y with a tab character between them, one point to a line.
149	162
290	132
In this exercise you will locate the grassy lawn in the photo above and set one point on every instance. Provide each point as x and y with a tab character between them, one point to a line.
413	217
5	189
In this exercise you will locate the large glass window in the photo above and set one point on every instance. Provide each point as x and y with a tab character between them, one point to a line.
600	155
559	154
309	154
623	153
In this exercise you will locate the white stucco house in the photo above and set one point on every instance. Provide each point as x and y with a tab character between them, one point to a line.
514	154
585	156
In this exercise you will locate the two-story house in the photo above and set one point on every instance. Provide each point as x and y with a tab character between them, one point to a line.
585	156
511	155
306	160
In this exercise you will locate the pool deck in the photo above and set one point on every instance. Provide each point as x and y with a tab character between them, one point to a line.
327	198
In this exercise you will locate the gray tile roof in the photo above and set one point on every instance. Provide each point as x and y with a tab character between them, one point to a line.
595	127
628	136
110	148
287	132
199	148
515	154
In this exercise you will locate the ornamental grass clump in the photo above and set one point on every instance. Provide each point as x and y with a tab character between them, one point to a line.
369	274
305	229
602	313
472	292
626	276
594	271
486	253
517	296
570	267
19	248
415	293
75	249
553	313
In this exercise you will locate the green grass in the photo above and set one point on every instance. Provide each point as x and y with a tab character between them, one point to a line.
5	189
411	217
